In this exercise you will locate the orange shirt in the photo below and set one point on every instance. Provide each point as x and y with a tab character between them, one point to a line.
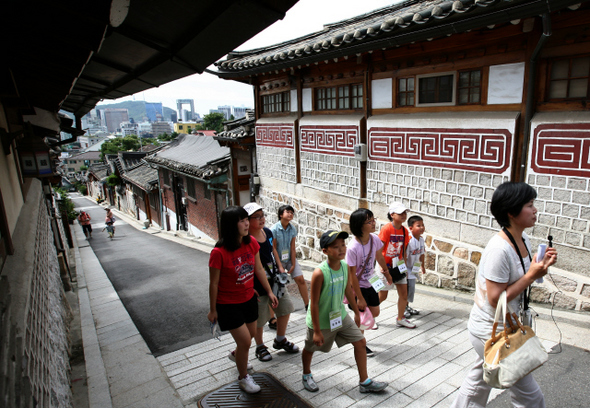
394	243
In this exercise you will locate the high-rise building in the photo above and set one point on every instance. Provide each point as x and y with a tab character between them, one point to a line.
114	117
226	110
152	110
239	112
159	128
183	115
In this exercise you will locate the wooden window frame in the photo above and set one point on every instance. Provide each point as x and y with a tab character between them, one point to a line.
469	87
569	78
405	93
343	97
278	102
453	100
191	191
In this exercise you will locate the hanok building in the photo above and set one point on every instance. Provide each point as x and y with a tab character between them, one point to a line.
239	136
192	174
433	103
143	198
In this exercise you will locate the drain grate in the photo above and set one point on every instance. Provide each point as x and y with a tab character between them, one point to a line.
272	394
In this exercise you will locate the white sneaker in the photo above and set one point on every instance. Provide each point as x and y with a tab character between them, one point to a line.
405	323
249	385
232	357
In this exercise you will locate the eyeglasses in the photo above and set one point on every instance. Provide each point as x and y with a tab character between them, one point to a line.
258	217
371	221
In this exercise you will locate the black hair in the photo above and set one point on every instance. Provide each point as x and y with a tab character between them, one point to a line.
284	208
229	237
509	198
413	219
357	220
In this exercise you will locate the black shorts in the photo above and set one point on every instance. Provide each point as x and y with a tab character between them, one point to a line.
86	228
231	316
371	296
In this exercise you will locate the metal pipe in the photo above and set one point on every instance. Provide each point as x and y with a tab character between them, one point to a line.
530	94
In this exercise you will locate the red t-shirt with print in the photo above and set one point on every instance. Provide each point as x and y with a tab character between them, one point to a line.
236	280
393	239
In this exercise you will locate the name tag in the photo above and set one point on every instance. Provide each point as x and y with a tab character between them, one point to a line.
376	283
417	268
285	256
335	320
401	265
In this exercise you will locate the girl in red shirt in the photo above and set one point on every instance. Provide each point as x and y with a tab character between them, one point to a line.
233	304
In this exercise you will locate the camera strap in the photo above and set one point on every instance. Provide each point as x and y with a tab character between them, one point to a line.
527	292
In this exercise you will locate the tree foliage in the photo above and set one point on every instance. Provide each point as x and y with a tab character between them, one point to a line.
120	144
212	121
164	137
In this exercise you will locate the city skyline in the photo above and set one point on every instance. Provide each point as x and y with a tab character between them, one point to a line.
210	92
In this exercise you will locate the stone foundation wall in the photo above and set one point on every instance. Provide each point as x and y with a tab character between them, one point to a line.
449	264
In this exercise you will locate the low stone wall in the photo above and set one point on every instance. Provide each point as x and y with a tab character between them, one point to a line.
449	264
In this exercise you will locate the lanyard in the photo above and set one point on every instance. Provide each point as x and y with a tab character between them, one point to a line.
333	286
364	265
527	291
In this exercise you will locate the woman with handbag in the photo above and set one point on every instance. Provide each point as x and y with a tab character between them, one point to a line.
506	266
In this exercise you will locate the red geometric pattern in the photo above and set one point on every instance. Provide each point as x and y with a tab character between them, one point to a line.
275	135
338	140
486	150
562	149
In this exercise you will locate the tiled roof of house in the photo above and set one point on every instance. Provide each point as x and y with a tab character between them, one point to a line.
237	129
100	171
128	160
92	155
143	176
194	155
399	24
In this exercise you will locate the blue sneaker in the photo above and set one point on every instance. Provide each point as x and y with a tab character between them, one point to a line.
309	384
372	386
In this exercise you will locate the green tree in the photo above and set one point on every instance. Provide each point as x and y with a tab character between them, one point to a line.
120	144
213	121
164	137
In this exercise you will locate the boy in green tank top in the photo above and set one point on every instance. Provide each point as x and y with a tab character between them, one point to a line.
327	319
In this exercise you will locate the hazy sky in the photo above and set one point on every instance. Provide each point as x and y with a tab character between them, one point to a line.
209	92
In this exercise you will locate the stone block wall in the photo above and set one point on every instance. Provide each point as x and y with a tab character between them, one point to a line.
277	161
456	195
333	173
33	315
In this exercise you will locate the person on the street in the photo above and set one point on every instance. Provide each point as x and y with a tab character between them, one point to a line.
84	220
233	304
502	268
110	221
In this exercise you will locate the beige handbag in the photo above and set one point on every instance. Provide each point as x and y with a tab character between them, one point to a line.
513	353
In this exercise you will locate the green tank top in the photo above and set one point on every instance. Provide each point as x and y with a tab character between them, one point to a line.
331	295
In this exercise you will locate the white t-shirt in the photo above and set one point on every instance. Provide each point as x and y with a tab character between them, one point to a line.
415	250
499	263
359	255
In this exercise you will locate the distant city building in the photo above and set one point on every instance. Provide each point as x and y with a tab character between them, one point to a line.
184	127
174	117
240	112
114	117
88	140
159	128
185	115
153	111
227	111
92	123
144	129
128	128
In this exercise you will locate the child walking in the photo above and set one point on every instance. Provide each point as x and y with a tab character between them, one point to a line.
285	233
84	220
361	254
395	238
232	265
268	256
414	260
327	320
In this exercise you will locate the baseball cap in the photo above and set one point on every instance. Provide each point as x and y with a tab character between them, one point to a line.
397	208
330	236
251	208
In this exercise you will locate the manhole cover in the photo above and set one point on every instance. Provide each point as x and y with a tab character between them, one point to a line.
272	394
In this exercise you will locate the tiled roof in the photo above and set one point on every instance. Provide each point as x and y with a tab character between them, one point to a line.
237	129
92	155
399	24
142	176
199	156
100	171
128	160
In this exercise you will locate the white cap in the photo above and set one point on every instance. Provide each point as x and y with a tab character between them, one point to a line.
397	208
251	208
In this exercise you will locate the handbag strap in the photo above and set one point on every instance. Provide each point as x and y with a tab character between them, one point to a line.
364	265
527	291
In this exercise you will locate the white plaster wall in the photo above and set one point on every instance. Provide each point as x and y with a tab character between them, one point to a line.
382	93
306	97
506	83
293	100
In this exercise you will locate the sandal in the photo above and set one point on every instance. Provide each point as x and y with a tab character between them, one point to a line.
262	353
272	323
